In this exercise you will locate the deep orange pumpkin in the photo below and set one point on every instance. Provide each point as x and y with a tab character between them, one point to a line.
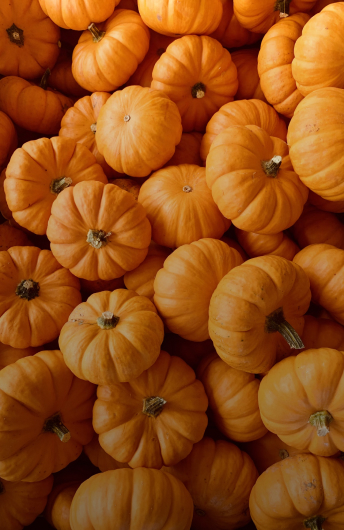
230	32
99	457
246	61
322	333
12	237
61	77
188	150
315	226
259	245
78	16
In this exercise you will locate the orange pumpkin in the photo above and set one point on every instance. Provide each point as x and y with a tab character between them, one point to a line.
130	115
155	419
109	53
188	150
246	61
36	296
184	286
37	174
91	237
315	226
78	16
100	458
8	139
4	209
198	74
323	204
61	77
191	352
9	355
130	185
319	6
322	333
233	399
12	237
128	4
230	32
259	245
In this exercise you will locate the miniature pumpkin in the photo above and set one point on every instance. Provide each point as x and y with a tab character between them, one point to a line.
12	237
191	352
37	174
8	139
259	245
9	355
130	185
112	337
230	33
188	150
315	226
234	244
78	16
94	239
198	74
36	297
100	458
246	61
155	419
184	286
322	333
61	77
323	204
319	6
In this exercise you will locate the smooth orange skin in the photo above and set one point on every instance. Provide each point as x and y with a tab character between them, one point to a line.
90	206
106	357
246	61
322	333
188	150
184	286
230	33
219	478
323	204
152	116
240	304
191	60
129	435
9	355
166	17
324	266
100	458
4	209
58	295
135	489
78	16
12	237
108	64
233	399
8	139
315	226
274	64
250	112
61	77
319	6
27	452
34	167
260	245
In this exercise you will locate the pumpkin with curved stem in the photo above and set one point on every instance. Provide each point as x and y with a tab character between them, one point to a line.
184	286
12	237
134	490
256	312
100	458
315	226
250	112
62	79
8	139
130	115
198	74
233	399
112	337
246	61
323	204
42	426
105	57
36	296
274	64
322	333
78	16
188	150
259	244
246	170
180	207
230	33
39	171
155	419
94	239
167	17
219	477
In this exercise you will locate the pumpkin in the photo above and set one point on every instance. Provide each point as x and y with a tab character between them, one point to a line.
191	352
9	355
246	61
184	286
78	16
22	502
230	33
4	209
314	133
255	309
45	417
233	399
94	239
130	115
298	404
155	419
167	17
303	491
12	237
88	287
198	74
315	226
39	171
100	458
246	169
8	139
180	207
93	507
28	39
112	337
36	297
106	56
128	4
188	150
323	204
250	112
259	245
142	278
33	107
274	64
129	185
317	63
234	244
61	77
219	478
319	6
324	266
322	333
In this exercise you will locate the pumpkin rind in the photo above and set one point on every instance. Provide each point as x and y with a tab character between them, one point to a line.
8	139
259	244
315	226
80	15
322	333
230	32
246	61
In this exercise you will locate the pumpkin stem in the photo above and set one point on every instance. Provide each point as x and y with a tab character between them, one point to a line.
96	33
198	91
54	424
276	322
187	189
321	420
57	185
200	512
44	81
27	289
108	320
94	128
283	453
283	7
16	35
97	238
314	523
153	406
271	167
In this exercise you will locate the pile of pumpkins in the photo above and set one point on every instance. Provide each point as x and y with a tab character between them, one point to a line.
172	264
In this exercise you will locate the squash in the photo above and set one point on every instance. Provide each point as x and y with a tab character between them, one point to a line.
12	237
315	226
246	61
78	16
187	151
259	244
319	6
62	79
230	33
100	458
8	139
323	204
322	333
9	355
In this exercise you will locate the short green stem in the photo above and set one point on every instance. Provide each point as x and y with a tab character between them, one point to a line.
97	238
96	33
27	289
57	185
321	421
107	320
16	35
153	406
271	167
283	7
198	91
314	523
54	425
276	322
283	453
